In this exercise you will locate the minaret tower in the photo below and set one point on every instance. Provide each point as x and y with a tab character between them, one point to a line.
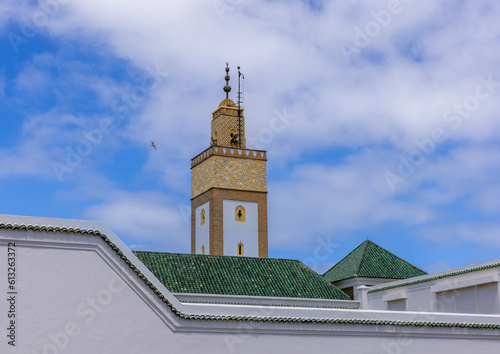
229	188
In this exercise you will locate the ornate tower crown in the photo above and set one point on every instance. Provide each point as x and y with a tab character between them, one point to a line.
228	123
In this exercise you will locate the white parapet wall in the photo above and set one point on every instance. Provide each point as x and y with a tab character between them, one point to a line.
472	289
266	301
79	289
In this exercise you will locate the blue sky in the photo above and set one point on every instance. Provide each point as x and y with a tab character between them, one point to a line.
380	119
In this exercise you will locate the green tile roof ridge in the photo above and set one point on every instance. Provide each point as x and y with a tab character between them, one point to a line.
436	277
49	228
304	320
233	275
370	260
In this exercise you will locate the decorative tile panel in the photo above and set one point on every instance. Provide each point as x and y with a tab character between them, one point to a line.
228	172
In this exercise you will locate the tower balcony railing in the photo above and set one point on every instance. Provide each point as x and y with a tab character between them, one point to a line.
229	151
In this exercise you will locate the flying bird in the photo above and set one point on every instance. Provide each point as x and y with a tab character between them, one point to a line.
153	144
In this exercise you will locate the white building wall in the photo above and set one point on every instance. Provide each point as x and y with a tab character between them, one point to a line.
463	292
420	299
244	232
375	302
202	232
70	298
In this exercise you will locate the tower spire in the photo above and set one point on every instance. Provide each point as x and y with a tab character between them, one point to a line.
227	88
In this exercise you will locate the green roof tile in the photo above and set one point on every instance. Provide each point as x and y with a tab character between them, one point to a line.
369	260
226	275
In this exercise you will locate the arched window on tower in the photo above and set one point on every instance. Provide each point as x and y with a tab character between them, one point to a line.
202	249
240	213
241	249
202	217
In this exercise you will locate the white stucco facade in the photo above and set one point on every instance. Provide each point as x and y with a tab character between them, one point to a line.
235	231
203	231
471	289
87	293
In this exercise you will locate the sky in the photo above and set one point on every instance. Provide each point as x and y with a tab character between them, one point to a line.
380	118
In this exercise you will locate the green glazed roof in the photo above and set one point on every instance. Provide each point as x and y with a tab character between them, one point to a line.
226	275
369	260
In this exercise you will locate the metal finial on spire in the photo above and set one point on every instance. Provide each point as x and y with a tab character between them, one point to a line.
227	88
240	101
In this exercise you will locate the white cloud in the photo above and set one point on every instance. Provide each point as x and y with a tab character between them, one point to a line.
33	154
146	217
483	234
299	64
438	266
32	81
8	10
467	172
332	200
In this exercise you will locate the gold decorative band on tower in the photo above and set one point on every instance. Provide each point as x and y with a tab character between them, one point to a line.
228	172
